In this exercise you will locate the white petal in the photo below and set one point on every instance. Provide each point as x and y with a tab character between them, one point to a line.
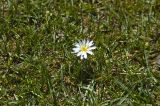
90	52
80	53
90	43
91	48
80	43
77	45
76	50
87	42
85	55
81	57
84	42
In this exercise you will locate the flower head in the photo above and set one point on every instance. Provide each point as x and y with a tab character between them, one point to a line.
83	47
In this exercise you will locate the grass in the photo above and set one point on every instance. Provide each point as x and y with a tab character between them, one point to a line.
37	66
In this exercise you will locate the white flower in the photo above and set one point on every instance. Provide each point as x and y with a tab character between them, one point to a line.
83	47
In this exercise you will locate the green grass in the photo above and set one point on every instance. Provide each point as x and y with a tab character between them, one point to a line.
37	66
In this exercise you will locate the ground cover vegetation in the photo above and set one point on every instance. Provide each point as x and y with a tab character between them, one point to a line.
38	66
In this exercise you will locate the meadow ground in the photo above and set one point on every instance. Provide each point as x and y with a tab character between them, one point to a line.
37	66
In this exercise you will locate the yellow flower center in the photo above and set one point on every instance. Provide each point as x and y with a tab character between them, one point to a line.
84	48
